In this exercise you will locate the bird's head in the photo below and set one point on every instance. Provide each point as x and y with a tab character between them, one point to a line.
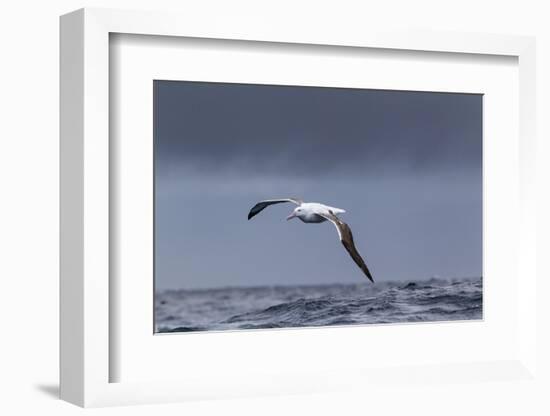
296	213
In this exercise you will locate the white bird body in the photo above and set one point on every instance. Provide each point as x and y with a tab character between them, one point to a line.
314	212
310	212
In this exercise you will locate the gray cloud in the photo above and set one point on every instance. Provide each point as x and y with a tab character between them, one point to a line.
300	130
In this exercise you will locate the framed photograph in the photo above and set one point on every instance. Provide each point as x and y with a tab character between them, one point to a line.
250	210
410	163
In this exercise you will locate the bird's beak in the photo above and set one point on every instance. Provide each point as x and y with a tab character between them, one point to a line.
290	216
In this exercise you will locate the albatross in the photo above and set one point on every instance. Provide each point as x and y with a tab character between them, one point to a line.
313	212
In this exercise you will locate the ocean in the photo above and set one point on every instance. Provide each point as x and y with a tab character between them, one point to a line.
234	308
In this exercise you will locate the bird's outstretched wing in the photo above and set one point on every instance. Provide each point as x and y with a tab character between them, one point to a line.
264	204
346	237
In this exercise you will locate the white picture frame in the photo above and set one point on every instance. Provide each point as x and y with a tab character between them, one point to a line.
86	263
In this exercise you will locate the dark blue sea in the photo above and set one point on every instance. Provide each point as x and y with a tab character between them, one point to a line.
235	308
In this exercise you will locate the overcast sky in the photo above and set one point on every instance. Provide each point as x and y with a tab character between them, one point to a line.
406	166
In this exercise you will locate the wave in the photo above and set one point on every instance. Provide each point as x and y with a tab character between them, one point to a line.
300	306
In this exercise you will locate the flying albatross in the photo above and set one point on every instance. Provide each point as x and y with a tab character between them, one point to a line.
313	212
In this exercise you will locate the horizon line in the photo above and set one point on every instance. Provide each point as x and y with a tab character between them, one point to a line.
202	288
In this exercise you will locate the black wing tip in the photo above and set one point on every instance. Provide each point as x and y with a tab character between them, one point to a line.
367	273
